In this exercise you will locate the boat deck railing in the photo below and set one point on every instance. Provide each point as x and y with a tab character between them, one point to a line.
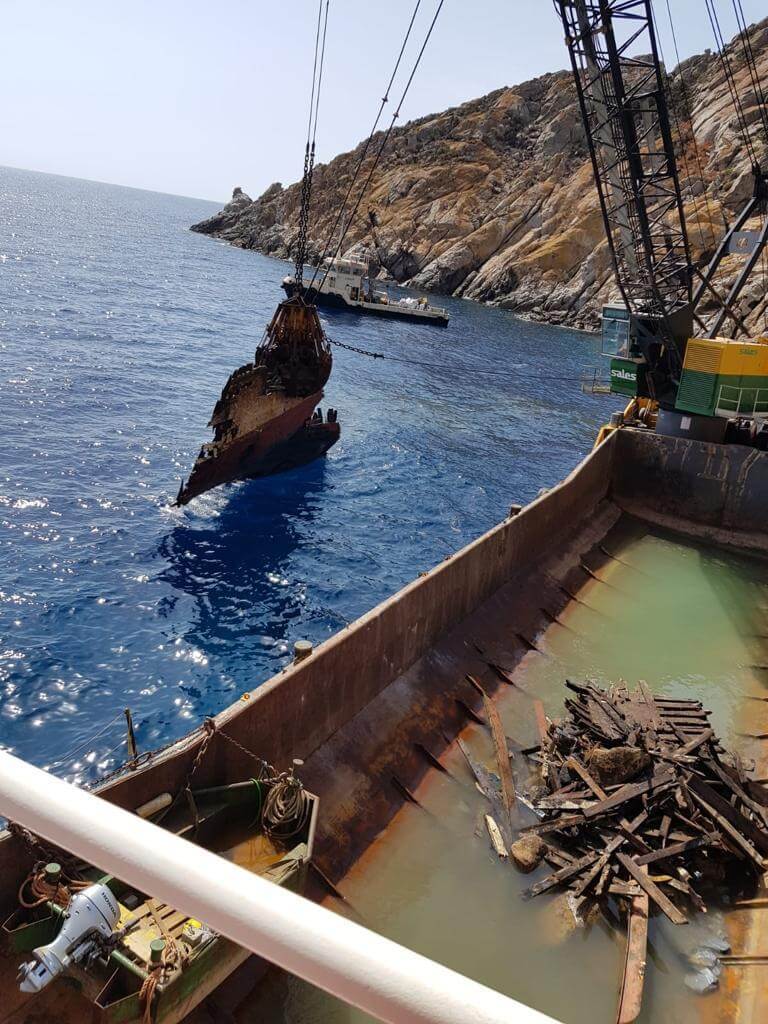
743	401
366	970
595	383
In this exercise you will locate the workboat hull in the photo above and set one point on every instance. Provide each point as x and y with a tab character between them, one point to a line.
330	300
124	987
376	710
292	438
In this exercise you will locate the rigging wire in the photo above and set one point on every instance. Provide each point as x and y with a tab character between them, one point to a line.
749	57
535	378
314	72
730	79
86	743
677	124
688	115
384	141
762	105
366	147
320	73
309	151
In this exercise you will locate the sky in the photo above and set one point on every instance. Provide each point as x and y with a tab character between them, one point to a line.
194	97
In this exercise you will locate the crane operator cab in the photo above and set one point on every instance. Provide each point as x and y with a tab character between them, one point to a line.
723	383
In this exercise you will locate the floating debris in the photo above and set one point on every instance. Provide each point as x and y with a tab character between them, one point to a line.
643	805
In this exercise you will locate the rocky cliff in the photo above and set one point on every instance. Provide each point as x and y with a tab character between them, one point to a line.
494	200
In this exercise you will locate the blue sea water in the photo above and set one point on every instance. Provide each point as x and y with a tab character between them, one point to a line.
118	328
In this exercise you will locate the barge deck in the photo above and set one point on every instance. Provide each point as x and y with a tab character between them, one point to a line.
581	581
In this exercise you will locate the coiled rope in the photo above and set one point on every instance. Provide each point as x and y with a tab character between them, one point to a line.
43	891
286	808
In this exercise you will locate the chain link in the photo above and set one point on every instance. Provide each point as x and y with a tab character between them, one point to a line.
306	195
360	351
42	854
266	770
209	728
31	841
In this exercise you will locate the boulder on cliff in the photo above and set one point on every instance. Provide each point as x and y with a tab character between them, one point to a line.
227	217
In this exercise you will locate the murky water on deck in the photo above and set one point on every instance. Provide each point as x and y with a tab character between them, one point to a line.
688	621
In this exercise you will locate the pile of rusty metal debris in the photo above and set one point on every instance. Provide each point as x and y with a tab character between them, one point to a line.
643	808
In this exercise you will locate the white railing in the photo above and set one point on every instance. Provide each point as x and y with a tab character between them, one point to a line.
743	401
364	969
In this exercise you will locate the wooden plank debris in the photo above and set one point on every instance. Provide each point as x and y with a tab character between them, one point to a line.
676	849
634	782
494	833
651	889
502	753
629	792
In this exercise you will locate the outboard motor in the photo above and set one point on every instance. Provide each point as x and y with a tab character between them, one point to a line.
91	917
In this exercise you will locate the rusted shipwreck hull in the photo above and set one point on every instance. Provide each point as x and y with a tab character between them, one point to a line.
373	706
266	420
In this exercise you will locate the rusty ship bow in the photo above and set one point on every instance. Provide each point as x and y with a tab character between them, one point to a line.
267	418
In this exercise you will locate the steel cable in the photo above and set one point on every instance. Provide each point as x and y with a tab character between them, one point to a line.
366	146
309	151
688	114
84	744
730	79
677	124
468	371
385	140
749	57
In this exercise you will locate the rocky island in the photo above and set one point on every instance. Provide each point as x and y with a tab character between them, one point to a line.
494	201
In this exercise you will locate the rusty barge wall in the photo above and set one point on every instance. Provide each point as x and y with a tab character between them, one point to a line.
714	492
346	709
303	706
392	681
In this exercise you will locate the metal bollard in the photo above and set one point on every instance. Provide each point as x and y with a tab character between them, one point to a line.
301	650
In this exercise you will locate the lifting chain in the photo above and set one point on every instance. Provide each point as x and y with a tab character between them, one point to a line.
266	770
209	729
42	854
31	841
306	195
360	351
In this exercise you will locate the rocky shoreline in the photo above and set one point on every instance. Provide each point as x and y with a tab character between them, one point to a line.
493	200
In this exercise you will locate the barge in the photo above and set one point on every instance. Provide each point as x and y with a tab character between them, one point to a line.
376	711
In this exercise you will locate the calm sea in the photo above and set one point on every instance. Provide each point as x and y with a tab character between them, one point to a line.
118	328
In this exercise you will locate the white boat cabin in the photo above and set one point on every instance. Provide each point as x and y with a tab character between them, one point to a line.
350	278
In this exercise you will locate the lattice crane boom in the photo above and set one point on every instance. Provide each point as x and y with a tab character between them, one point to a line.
624	110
